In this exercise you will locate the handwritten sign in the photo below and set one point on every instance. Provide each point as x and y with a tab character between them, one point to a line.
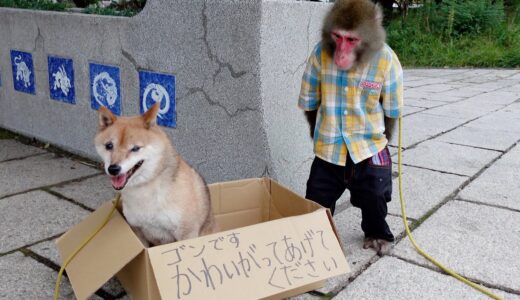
250	262
157	87
61	79
23	72
105	87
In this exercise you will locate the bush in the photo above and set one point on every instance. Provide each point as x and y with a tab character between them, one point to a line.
84	3
109	11
126	8
457	17
136	5
474	16
456	33
34	4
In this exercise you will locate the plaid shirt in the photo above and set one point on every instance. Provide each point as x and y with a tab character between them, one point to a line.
350	114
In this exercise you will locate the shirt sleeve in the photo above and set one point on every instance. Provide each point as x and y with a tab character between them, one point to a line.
310	92
392	90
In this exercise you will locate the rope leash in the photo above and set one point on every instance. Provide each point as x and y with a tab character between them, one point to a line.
83	244
409	234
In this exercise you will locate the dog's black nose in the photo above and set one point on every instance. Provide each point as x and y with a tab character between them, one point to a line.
114	170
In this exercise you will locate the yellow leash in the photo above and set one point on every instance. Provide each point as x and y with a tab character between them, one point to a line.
409	234
83	244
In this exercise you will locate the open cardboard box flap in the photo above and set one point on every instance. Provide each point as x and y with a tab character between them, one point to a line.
107	253
273	244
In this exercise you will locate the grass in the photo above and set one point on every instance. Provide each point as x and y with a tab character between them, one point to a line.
423	50
418	45
5	135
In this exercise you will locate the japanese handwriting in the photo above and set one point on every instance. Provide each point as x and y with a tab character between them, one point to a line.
286	260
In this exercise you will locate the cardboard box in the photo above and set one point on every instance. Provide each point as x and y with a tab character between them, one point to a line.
273	244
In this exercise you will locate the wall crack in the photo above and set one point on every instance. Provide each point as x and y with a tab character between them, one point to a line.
213	57
212	102
130	58
39	40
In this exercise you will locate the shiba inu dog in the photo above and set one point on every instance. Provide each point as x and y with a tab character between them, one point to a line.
164	199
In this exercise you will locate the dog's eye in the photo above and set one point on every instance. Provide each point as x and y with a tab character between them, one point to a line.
135	148
109	146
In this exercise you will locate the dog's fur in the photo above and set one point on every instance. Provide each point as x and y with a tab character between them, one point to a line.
164	199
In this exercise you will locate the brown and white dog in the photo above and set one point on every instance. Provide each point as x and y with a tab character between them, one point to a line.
164	199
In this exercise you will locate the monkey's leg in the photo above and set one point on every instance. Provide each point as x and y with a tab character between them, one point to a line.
370	190
325	184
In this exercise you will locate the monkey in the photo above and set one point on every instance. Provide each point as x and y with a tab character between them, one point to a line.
372	43
352	95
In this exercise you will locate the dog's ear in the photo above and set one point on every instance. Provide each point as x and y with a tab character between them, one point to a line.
106	118
150	116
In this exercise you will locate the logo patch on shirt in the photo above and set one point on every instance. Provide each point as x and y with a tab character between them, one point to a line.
371	85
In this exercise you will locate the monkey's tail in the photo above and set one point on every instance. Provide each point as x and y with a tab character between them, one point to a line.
412	240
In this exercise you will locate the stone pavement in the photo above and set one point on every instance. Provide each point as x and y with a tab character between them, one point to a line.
461	184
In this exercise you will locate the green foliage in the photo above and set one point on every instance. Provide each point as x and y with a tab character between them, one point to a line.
34	4
457	33
136	5
456	17
125	8
4	134
512	8
419	48
109	11
475	16
84	3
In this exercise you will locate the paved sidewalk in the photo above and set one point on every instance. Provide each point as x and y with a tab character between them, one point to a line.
461	183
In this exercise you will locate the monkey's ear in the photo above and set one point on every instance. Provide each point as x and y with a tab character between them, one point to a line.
106	118
150	116
379	12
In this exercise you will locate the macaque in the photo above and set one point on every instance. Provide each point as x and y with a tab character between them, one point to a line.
351	95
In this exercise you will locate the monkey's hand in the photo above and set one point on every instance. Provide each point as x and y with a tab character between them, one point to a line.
311	119
389	128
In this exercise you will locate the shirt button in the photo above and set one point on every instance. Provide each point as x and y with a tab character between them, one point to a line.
345	112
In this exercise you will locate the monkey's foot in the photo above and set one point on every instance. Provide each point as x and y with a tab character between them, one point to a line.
382	247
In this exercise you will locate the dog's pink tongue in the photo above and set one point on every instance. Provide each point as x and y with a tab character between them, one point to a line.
118	182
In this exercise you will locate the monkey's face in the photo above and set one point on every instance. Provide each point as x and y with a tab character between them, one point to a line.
352	32
346	44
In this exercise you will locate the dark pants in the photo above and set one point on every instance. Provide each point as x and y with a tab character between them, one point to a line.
370	187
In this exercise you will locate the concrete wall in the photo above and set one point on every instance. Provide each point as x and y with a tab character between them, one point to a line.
289	33
237	64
